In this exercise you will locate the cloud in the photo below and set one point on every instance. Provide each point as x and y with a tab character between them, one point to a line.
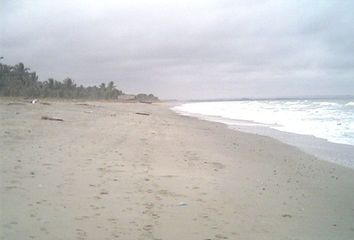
187	49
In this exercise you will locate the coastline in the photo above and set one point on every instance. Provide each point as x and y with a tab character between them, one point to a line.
338	153
107	172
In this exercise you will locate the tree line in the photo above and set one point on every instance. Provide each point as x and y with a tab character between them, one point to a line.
19	81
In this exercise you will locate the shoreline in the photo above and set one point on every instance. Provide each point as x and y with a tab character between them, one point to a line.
337	153
107	172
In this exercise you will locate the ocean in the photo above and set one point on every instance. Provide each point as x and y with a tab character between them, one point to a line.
324	128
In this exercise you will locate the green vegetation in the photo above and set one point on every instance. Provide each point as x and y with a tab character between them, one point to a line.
18	81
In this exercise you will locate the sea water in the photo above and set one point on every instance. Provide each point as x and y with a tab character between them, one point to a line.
329	120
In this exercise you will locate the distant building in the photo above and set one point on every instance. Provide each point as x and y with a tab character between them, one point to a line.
142	97
126	98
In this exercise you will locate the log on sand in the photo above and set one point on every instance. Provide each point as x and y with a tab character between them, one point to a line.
51	118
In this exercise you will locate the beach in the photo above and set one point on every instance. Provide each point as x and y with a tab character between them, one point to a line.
106	172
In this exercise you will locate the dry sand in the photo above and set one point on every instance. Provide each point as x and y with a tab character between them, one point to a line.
107	173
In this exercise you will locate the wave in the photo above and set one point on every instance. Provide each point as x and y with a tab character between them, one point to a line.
327	103
326	120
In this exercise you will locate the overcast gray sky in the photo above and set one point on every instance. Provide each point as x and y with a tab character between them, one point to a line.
187	49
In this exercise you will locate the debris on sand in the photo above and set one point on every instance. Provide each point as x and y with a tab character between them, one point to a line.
34	101
89	105
16	103
141	113
52	118
45	103
183	204
82	104
286	216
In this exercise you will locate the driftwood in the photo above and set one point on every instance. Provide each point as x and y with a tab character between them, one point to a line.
140	113
16	103
45	103
82	104
88	105
52	119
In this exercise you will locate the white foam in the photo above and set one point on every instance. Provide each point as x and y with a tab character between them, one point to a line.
327	103
323	119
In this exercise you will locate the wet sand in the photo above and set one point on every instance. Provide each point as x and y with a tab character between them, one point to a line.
106	172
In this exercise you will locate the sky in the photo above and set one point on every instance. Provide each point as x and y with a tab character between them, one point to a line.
187	49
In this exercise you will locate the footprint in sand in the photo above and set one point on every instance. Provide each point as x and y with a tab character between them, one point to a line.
149	205
80	234
220	236
148	228
217	165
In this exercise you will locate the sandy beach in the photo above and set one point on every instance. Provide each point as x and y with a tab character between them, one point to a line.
106	172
